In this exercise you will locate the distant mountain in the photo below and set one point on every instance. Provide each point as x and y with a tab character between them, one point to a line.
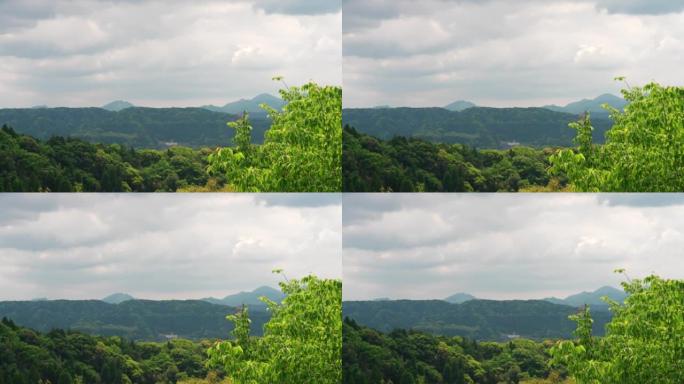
132	319
460	105
591	105
117	298
251	105
477	126
459	298
476	319
249	298
117	105
591	298
136	126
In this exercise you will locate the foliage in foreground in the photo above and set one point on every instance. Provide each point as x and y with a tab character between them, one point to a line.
302	150
302	342
72	165
644	150
415	165
67	357
409	357
644	342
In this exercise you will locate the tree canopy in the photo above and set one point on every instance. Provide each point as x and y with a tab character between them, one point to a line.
644	150
302	150
302	341
644	342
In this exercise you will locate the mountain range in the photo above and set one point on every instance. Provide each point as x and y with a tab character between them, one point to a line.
594	106
253	105
249	105
593	298
463	122
132	319
249	298
476	319
118	298
480	127
137	127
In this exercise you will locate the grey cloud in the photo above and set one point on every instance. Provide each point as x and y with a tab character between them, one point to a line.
642	199
641	7
162	246
527	53
505	246
162	53
298	7
299	200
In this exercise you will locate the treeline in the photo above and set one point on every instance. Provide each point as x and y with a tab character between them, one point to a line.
67	357
70	164
133	319
415	165
478	126
408	357
476	319
137	126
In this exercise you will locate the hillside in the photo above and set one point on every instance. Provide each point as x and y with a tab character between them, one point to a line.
415	165
476	319
133	319
66	357
134	126
477	126
409	356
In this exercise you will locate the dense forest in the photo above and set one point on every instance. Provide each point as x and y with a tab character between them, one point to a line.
475	319
415	165
481	127
301	151
138	127
69	164
132	319
637	149
70	357
412	357
297	340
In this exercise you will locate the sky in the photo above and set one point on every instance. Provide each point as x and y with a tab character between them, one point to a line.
506	246
162	53
166	246
506	53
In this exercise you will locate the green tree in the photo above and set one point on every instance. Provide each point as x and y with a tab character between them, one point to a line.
644	150
302	341
643	342
302	151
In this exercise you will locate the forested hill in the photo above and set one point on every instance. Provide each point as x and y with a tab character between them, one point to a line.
133	319
478	126
68	357
476	319
136	126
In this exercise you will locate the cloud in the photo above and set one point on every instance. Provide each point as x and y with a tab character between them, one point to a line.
161	53
505	246
173	246
641	7
527	53
298	7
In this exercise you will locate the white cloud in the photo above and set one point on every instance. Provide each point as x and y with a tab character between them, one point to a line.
162	53
162	246
506	246
503	53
